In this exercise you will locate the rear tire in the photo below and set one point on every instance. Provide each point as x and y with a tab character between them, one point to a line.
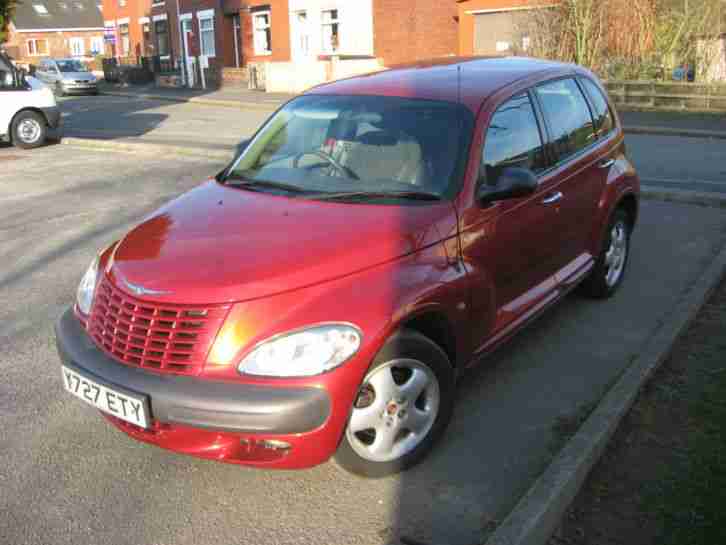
403	407
29	130
608	273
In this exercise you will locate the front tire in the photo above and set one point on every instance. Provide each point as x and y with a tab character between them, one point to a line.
29	130
609	270
404	404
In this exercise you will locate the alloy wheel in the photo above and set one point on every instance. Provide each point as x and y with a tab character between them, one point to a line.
29	131
617	253
395	410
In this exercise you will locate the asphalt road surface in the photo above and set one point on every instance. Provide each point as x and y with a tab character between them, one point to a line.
67	477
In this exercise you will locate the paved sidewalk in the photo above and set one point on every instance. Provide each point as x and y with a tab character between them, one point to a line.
232	96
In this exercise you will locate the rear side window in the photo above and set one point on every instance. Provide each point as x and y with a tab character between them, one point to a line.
513	139
601	111
568	117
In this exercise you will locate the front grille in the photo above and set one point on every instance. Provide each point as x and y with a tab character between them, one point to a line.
165	338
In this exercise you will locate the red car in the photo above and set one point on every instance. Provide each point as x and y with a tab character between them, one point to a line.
376	237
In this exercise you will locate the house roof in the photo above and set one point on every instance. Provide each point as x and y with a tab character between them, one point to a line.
57	15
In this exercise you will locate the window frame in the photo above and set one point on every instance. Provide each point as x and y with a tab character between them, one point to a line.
203	17
332	23
554	160
541	129
75	40
255	29
35	42
157	34
97	41
591	104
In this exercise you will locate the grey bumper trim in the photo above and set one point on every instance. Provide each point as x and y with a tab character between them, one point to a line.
53	116
196	402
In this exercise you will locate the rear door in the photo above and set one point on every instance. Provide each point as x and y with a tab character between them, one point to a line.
575	180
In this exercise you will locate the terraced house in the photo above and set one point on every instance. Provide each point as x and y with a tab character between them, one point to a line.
55	28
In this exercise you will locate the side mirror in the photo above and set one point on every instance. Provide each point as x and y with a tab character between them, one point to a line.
241	146
513	183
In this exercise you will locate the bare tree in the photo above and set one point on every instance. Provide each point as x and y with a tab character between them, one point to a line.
625	38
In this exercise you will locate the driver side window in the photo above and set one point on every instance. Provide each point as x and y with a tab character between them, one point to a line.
513	140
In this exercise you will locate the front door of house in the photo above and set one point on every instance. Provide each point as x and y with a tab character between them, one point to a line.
300	36
189	58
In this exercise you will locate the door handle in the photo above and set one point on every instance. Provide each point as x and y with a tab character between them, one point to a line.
607	163
553	198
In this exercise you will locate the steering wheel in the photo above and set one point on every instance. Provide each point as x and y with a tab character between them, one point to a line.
327	158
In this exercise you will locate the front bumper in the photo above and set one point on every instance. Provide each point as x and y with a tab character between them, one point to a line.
53	116
227	421
71	88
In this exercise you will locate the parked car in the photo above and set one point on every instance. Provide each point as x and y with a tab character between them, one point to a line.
67	76
375	238
27	107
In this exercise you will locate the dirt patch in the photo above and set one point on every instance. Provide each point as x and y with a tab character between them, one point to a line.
662	479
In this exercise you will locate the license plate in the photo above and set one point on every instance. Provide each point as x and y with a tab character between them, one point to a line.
121	405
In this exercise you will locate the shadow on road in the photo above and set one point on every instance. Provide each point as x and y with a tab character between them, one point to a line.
97	117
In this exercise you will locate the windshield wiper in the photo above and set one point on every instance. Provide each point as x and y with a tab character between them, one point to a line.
411	195
252	184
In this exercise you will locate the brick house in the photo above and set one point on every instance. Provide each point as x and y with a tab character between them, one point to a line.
126	28
55	28
410	30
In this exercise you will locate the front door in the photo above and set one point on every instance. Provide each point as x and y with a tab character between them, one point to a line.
189	64
511	246
300	36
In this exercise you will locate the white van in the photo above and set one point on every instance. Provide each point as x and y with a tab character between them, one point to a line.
27	107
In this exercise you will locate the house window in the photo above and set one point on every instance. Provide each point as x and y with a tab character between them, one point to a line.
123	30
96	45
263	34
206	36
77	47
37	48
162	37
331	28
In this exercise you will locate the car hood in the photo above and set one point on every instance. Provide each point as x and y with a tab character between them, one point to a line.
80	76
220	244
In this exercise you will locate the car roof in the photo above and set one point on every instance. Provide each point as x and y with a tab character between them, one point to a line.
469	80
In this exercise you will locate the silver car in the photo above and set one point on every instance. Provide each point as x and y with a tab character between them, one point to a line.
66	76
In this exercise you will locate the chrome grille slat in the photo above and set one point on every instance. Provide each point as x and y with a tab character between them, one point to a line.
163	338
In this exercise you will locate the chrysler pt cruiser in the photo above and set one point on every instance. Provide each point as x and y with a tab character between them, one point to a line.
376	237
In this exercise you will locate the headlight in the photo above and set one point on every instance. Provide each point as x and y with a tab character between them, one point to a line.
303	353
84	295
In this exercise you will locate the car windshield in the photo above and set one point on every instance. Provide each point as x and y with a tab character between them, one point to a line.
71	66
359	146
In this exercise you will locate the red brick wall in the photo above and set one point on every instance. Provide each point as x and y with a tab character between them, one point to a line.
410	30
280	28
134	9
58	44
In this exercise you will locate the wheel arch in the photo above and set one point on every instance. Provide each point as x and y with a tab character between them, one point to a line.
434	324
33	109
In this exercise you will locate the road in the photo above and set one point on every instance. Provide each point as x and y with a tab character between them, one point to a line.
67	477
695	164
